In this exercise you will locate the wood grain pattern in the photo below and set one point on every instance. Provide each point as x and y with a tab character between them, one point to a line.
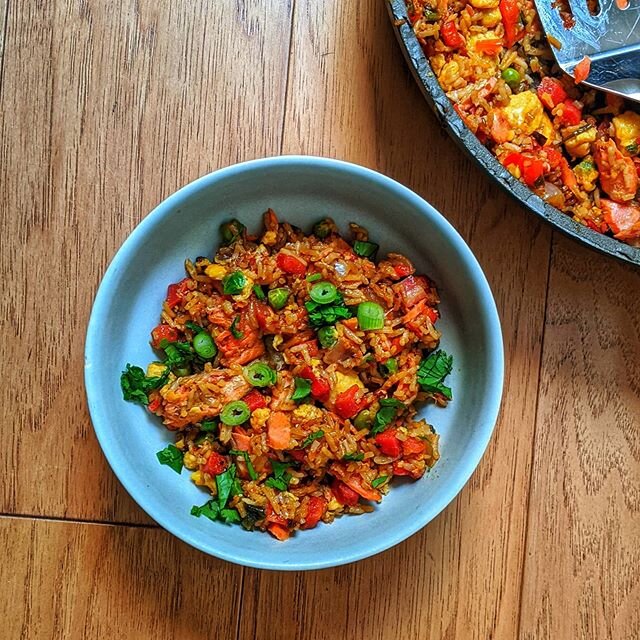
582	572
70	580
112	107
105	108
4	7
349	97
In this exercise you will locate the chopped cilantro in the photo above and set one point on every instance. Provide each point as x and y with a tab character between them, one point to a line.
172	457
311	437
302	390
280	479
324	315
432	372
136	386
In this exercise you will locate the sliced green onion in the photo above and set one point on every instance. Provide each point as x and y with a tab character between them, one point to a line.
234	283
389	367
181	372
278	297
231	231
257	289
259	374
314	277
208	426
353	457
378	481
323	292
431	16
316	435
370	316
204	345
365	249
235	413
323	228
327	336
235	332
244	454
364	420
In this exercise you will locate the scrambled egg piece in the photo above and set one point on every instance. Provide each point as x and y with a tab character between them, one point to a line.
346	381
216	271
586	174
269	238
492	17
525	114
155	369
485	4
259	417
627	126
307	412
579	140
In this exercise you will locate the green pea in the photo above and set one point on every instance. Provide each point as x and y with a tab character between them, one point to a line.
364	420
204	346
511	76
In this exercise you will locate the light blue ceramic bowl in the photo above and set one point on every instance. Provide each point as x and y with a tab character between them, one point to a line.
301	190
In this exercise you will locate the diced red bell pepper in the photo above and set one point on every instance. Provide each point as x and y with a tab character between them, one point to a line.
346	404
163	332
571	114
177	291
432	314
320	388
154	405
581	70
289	264
413	446
510	12
215	464
551	92
532	171
255	400
315	511
513	159
388	443
402	270
273	517
344	494
399	470
450	35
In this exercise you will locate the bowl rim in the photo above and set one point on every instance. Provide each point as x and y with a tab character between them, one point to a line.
99	416
481	156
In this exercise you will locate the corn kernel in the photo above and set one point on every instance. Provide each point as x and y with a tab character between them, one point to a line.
216	271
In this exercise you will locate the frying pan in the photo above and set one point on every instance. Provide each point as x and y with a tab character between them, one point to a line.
448	117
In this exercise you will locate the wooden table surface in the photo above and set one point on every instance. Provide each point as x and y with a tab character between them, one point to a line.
106	109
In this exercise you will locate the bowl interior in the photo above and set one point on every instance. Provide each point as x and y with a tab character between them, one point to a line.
300	190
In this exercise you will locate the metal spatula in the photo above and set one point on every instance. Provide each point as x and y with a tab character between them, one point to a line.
611	39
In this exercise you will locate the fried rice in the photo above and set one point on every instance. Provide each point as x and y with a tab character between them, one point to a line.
575	147
291	368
